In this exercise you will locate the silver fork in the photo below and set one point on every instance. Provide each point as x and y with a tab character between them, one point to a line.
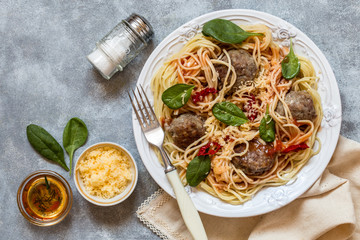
154	134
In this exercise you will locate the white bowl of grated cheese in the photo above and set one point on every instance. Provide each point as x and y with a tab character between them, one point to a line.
105	174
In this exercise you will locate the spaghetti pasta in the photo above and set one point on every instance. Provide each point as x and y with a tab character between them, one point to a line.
196	64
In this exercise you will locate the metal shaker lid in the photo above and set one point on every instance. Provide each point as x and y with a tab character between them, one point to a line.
141	26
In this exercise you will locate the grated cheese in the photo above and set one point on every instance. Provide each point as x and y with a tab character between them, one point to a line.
105	172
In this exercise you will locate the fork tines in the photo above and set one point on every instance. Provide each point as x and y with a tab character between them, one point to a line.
143	110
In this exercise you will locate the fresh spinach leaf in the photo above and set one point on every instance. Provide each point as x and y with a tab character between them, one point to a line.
290	65
74	136
229	113
267	127
45	144
226	31
197	170
177	96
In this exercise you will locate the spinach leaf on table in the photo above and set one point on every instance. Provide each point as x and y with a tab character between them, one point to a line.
226	31
197	170
74	136
45	144
229	113
177	96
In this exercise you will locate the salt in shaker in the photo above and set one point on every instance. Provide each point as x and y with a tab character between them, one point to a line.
121	45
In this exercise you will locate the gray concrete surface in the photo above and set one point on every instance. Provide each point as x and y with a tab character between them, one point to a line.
45	79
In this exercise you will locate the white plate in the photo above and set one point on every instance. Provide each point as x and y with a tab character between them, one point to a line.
271	198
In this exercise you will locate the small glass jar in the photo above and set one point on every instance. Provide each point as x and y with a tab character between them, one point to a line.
121	45
44	204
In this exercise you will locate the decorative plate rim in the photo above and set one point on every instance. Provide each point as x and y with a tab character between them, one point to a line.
270	198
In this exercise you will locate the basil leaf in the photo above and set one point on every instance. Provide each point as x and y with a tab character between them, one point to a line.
45	144
197	170
267	127
226	31
74	136
177	96
229	113
290	65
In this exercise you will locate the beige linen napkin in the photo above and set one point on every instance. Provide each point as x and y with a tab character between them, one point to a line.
330	209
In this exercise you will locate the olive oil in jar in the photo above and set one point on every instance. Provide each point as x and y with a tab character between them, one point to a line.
45	202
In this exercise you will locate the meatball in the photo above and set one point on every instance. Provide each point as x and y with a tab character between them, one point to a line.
244	65
300	104
186	129
256	160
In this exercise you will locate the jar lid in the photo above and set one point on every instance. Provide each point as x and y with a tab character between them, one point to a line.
141	26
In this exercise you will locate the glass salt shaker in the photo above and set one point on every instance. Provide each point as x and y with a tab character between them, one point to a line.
121	45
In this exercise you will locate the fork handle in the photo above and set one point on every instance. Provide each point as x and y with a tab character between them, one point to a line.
188	211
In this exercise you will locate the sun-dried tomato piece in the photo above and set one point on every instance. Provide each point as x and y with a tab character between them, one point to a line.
209	149
199	96
251	112
295	148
